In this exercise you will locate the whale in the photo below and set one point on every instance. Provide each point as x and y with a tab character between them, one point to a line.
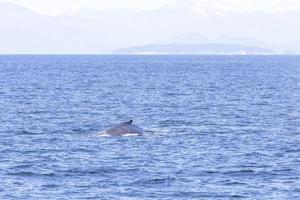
125	128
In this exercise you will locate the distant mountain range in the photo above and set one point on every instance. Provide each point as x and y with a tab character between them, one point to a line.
171	29
196	38
194	49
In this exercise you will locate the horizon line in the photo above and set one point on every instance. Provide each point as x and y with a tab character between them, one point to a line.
109	54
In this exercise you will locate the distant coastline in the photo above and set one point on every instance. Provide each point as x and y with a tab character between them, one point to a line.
194	49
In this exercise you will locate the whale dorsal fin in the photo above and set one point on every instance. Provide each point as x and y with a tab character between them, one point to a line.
129	122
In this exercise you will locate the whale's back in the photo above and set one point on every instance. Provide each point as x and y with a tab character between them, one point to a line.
125	128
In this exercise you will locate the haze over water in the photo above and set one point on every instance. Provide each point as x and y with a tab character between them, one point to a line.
220	127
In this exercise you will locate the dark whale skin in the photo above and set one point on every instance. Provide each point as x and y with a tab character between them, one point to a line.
124	128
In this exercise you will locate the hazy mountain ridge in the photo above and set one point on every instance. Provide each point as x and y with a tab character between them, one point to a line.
91	31
195	38
195	49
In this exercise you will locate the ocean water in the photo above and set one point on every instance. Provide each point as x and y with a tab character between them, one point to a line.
218	127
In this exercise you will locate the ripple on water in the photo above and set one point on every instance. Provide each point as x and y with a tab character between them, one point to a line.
155	181
26	132
31	174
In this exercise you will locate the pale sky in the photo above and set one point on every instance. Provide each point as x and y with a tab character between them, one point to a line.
54	7
222	21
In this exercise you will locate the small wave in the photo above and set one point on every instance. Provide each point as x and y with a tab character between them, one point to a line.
22	166
159	130
25	132
253	166
30	174
79	130
248	172
98	171
78	149
130	134
199	195
282	170
50	186
104	134
229	183
292	150
210	172
34	112
236	196
297	190
255	154
154	181
242	171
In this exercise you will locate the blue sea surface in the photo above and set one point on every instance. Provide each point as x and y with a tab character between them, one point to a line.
217	127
